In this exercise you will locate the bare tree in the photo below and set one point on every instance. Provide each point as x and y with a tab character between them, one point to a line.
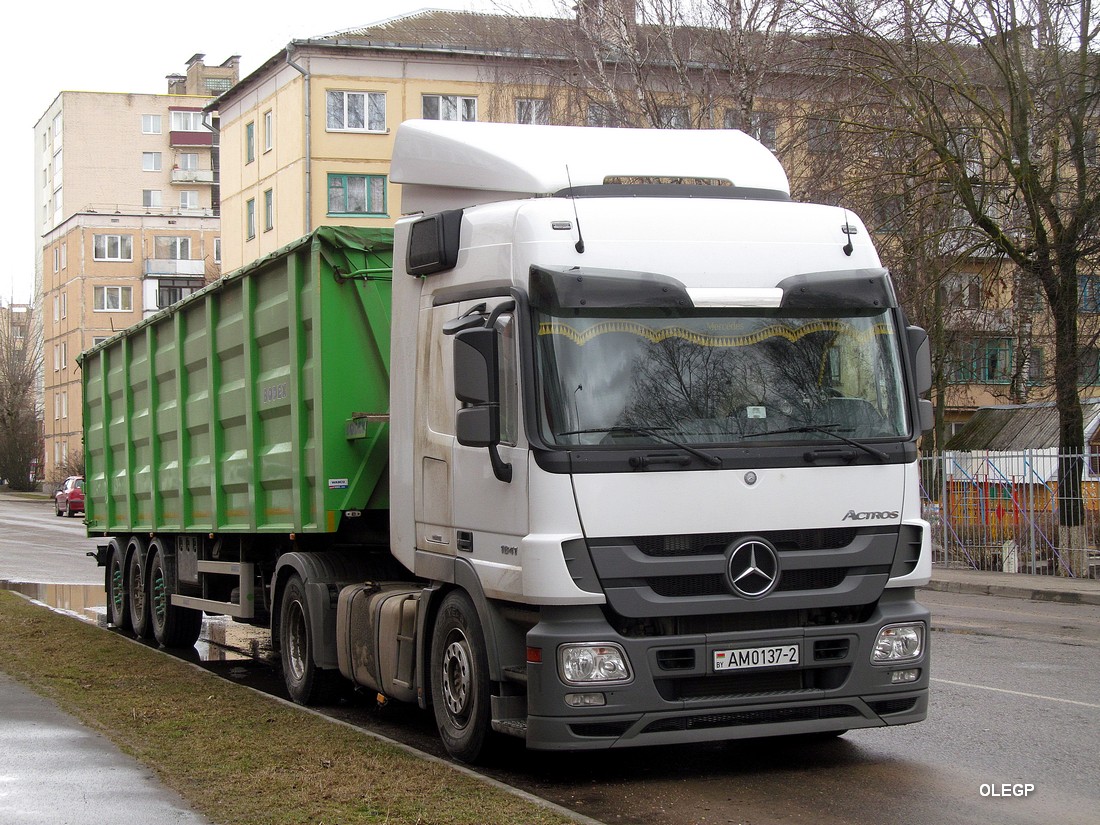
1001	97
20	432
655	63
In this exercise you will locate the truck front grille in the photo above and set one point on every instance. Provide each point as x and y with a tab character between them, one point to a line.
679	576
751	717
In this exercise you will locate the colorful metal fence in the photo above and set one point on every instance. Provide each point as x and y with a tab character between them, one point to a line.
1002	512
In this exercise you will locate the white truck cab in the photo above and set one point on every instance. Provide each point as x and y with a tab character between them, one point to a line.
653	443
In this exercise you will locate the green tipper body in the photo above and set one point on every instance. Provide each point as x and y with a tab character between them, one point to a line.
259	404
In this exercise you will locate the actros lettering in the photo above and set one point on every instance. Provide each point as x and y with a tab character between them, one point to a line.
866	515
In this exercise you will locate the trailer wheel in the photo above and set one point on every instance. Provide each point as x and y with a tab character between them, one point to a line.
173	626
460	678
306	683
118	605
136	581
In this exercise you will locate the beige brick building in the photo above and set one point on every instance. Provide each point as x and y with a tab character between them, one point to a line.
127	204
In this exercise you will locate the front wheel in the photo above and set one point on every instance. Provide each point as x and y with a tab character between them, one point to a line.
460	678
306	683
173	626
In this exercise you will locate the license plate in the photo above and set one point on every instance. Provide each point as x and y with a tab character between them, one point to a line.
747	658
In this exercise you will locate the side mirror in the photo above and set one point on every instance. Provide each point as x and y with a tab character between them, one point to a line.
477	386
921	354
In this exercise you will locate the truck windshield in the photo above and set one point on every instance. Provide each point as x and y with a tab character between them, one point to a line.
719	378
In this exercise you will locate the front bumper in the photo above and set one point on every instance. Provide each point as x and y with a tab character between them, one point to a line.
676	697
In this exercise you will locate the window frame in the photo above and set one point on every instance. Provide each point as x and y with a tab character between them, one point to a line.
269	210
249	142
151	162
151	125
124	242
368	179
370	102
461	103
250	219
122	291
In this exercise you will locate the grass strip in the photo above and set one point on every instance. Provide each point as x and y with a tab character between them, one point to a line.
238	757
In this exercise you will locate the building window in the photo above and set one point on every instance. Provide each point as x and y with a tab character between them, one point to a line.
356	112
187	122
217	85
98	339
1088	366
269	210
822	136
150	161
963	291
250	141
64	306
673	117
535	111
357	194
64	404
602	116
188	161
449	107
64	256
112	299
982	361
217	250
762	126
170	290
151	198
269	130
113	247
57	259
172	248
1035	366
189	199
1088	293
250	218
150	124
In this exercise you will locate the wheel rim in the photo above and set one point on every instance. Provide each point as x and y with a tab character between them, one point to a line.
457	677
295	641
137	587
159	596
118	594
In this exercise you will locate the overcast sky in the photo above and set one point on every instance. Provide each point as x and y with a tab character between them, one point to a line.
130	46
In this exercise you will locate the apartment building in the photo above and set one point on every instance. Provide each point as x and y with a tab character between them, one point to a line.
307	139
127	205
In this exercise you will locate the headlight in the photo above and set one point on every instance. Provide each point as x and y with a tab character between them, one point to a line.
586	664
899	643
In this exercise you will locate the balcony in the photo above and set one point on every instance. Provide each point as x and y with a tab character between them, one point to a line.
179	138
207	176
163	266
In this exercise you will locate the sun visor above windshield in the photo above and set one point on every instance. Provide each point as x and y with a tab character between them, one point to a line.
858	290
578	287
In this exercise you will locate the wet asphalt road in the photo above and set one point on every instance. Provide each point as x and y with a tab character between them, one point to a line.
1015	701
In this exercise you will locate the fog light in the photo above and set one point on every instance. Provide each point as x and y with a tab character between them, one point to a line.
900	677
582	664
898	642
585	700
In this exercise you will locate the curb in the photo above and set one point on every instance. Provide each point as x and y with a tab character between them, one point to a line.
1016	592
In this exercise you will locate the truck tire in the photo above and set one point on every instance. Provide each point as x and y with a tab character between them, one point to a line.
136	582
118	604
306	683
173	626
460	678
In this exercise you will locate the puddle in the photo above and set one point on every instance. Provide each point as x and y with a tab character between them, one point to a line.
221	639
88	601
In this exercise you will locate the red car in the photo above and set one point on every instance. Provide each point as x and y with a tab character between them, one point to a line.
69	499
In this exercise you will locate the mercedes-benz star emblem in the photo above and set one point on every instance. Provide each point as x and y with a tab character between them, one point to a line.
753	568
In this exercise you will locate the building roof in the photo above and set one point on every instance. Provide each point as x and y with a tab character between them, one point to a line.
1018	427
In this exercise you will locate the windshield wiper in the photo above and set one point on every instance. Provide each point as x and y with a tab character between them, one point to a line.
708	458
827	429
